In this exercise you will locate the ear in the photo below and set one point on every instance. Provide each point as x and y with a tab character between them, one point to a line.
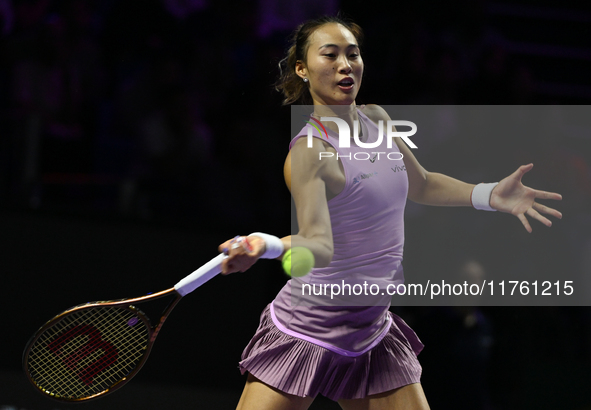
300	69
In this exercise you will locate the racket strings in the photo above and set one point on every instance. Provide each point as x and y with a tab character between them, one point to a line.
88	351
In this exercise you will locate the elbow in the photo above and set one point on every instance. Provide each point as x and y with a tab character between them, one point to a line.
320	243
323	258
321	247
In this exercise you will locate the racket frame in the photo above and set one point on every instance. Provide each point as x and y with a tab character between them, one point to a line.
153	331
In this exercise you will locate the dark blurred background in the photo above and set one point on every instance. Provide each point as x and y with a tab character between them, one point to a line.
137	135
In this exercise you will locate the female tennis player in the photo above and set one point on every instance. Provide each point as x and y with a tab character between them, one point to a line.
364	357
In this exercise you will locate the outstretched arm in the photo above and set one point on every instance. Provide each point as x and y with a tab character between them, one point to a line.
430	188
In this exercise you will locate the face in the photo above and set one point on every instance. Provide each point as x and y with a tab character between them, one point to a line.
333	66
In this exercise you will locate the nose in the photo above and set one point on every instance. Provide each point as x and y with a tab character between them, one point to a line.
344	65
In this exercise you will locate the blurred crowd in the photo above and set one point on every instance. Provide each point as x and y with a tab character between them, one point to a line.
142	107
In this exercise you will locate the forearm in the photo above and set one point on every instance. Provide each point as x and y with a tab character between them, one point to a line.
442	190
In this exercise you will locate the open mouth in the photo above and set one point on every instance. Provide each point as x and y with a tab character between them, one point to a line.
346	83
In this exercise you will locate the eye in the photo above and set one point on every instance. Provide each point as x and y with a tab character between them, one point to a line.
330	55
354	55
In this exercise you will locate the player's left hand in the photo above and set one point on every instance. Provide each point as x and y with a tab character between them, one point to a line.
511	196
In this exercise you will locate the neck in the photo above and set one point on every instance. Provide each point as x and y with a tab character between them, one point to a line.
348	113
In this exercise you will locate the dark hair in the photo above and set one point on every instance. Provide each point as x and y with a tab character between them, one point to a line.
289	83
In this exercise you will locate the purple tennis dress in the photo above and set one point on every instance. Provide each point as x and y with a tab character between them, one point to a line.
346	352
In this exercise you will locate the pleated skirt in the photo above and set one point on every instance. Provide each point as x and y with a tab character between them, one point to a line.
299	367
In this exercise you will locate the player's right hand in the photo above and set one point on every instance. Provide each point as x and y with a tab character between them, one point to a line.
242	253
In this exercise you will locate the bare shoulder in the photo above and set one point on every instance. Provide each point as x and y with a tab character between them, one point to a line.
375	113
307	160
310	155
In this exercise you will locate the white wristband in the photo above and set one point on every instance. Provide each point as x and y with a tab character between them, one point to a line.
480	196
273	245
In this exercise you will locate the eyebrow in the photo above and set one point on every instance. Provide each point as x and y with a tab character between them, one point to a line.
334	45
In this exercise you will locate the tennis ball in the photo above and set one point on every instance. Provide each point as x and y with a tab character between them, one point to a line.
298	261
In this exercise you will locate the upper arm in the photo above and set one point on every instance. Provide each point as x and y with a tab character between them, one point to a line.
417	175
305	176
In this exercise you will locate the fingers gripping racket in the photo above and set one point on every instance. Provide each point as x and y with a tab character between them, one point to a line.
95	348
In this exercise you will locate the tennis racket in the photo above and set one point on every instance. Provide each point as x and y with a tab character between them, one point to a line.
94	349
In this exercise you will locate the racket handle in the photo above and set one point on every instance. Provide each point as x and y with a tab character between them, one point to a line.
191	282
